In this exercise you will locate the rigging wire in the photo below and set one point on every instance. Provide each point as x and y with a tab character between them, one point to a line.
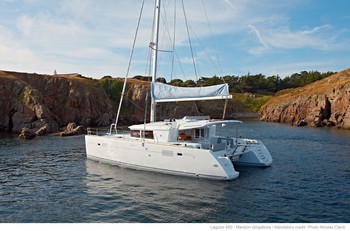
212	38
174	53
129	64
167	34
172	39
189	39
217	57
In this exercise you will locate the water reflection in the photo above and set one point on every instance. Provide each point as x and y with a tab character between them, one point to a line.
136	196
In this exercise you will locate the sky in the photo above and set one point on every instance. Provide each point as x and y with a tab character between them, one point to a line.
94	37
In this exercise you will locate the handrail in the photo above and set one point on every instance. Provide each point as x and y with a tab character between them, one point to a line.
240	145
111	128
98	131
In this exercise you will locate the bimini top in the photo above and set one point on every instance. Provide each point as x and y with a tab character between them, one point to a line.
183	124
205	123
167	93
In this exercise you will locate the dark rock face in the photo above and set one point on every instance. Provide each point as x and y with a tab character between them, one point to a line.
320	104
44	103
27	134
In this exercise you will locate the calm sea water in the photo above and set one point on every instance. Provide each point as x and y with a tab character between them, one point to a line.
49	179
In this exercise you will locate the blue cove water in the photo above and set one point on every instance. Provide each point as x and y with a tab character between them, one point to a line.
49	180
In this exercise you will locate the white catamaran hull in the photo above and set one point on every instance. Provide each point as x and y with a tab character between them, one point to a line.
255	155
169	159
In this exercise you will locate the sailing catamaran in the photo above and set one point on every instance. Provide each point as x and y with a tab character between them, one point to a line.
195	146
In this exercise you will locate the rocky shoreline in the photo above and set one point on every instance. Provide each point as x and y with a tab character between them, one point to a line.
35	105
325	103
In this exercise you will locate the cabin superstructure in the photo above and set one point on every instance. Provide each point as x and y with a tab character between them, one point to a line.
192	131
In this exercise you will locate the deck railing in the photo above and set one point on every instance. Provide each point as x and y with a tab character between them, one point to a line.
98	131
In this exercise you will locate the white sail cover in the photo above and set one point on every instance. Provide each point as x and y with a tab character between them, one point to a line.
167	93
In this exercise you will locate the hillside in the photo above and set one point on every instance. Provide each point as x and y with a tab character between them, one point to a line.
323	103
46	103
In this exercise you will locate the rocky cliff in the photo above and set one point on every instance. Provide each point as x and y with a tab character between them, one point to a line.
45	103
322	103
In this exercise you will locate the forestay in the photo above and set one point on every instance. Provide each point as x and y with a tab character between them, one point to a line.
167	93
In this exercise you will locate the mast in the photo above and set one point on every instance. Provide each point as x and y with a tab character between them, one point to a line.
154	47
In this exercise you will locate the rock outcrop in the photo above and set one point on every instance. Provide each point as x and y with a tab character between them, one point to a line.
44	103
322	103
35	105
72	129
27	134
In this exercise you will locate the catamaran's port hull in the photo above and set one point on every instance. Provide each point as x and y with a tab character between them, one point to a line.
168	159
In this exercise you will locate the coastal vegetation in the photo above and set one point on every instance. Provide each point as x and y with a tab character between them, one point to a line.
254	83
249	91
46	103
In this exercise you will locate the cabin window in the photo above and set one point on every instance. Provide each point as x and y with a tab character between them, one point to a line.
134	133
149	134
185	135
139	134
199	133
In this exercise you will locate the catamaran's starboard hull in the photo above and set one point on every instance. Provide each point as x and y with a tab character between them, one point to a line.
256	155
168	159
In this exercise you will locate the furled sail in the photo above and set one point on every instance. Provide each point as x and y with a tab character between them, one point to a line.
167	93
